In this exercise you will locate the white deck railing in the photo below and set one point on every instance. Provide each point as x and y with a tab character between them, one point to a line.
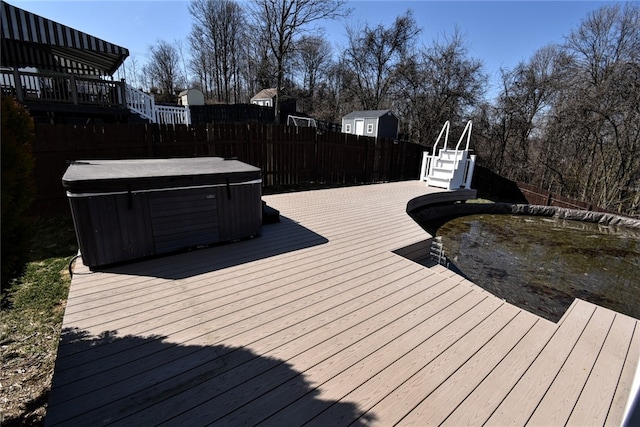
33	87
141	103
172	115
145	106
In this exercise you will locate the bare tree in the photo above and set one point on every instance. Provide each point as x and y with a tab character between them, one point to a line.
163	68
183	68
529	92
311	61
597	116
133	72
331	104
282	21
199	63
216	41
605	37
373	55
569	118
261	64
437	84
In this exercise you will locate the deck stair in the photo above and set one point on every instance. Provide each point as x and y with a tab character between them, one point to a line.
449	168
144	105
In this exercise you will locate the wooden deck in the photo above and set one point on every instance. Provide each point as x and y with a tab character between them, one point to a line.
321	321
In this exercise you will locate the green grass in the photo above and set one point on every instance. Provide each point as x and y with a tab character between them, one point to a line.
30	323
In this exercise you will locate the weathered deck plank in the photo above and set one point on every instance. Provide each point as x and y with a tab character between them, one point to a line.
325	319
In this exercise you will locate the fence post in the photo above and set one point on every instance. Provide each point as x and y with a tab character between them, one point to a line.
316	142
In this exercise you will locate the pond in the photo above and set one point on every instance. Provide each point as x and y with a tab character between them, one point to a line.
541	264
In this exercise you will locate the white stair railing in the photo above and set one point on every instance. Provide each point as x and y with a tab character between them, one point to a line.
427	164
141	103
446	168
145	106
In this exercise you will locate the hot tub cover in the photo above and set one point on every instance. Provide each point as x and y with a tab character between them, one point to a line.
107	176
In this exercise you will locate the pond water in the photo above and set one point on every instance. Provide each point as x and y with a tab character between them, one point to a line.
541	264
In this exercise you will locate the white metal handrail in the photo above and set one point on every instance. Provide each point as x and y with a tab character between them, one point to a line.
445	130
466	131
461	172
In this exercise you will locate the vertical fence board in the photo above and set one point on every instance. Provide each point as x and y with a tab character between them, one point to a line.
288	156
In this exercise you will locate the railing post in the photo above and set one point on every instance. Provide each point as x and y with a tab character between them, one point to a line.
121	93
74	89
471	163
17	82
424	168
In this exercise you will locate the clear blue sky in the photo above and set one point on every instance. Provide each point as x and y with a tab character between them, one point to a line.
500	33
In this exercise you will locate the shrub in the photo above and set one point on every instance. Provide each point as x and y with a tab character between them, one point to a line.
18	188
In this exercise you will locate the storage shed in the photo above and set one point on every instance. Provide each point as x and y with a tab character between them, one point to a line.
191	97
382	123
128	209
266	97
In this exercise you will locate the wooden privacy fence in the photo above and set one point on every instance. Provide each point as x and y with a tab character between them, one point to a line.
231	113
499	188
539	196
288	156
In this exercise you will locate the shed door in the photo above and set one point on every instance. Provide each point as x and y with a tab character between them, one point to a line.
359	127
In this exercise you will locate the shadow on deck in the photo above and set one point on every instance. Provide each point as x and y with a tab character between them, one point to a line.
276	239
148	380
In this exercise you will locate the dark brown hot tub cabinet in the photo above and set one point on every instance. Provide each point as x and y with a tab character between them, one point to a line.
130	209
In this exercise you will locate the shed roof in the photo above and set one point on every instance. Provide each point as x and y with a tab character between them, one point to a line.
367	114
193	90
29	40
265	94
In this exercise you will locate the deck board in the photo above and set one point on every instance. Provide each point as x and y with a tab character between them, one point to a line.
597	395
486	396
326	318
557	404
455	388
530	389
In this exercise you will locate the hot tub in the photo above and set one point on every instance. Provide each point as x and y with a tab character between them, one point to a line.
130	209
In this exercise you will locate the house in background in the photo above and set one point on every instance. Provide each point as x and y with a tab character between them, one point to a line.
265	98
376	123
